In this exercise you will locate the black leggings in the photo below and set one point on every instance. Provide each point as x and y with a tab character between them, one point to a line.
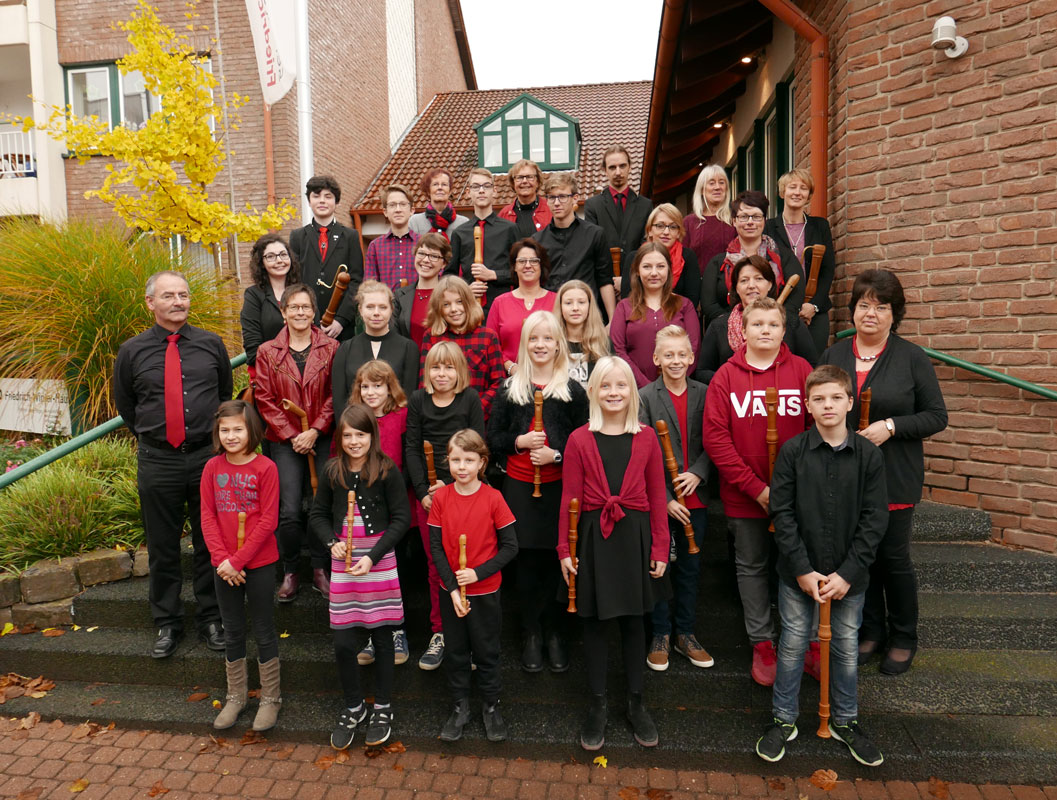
538	576
256	592
348	642
596	651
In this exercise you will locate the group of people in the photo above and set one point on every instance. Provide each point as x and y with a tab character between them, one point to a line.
491	382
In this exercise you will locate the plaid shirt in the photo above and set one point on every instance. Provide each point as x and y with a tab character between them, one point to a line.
483	357
390	258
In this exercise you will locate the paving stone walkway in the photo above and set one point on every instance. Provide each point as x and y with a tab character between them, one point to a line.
56	760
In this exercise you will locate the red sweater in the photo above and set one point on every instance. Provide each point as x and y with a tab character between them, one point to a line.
584	477
226	490
735	424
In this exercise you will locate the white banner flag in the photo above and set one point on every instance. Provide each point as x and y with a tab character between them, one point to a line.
272	23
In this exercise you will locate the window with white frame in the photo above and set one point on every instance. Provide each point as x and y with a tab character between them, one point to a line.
103	91
528	128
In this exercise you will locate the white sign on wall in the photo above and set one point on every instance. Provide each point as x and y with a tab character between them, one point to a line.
33	406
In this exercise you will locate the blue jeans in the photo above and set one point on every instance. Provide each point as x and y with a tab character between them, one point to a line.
685	573
798	610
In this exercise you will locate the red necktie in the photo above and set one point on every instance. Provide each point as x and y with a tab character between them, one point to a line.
174	393
322	244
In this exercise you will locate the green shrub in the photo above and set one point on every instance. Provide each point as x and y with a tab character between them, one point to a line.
83	502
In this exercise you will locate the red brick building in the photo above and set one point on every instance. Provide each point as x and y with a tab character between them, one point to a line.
943	170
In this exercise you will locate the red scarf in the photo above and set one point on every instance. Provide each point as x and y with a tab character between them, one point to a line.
735	331
678	262
440	220
768	249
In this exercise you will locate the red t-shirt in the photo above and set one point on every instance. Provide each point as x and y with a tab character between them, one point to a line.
679	401
479	516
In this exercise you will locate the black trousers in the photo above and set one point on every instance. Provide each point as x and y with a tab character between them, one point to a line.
596	651
294	484
476	634
168	482
257	593
348	642
892	595
539	574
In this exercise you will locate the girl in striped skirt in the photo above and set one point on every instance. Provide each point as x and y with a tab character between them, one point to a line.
365	596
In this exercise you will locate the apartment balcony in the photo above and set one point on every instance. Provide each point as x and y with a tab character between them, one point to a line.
14	22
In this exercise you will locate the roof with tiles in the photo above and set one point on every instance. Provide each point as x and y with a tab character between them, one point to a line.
608	113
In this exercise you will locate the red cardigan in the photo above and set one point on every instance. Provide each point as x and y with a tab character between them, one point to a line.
584	477
278	377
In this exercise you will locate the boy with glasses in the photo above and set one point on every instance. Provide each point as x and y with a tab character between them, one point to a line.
529	211
491	276
390	256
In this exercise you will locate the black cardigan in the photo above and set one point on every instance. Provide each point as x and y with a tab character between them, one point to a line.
426	422
715	346
261	320
404	298
904	387
508	420
383	506
816	231
399	351
688	286
714	299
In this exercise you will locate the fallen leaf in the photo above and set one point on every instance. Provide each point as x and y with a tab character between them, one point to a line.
8	628
284	635
325	761
76	627
82	731
395	747
93	628
341	757
38	695
252	737
373	752
938	789
28	721
157	789
30	628
30	794
253	693
284	754
79	785
602	761
824	779
217	704
776	784
628	793
98	702
658	794
197	697
53	632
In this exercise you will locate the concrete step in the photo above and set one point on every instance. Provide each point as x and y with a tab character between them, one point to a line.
988	621
935	522
965	748
962	567
941	681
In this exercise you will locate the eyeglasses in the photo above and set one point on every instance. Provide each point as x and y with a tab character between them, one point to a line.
663	226
271	258
559	198
525	178
757	218
527	262
480	187
436	258
879	308
296	309
397	206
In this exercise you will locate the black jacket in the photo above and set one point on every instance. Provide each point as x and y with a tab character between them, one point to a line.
816	231
383	506
657	404
508	420
715	346
403	299
261	320
344	248
714	294
830	508
904	387
624	229
399	351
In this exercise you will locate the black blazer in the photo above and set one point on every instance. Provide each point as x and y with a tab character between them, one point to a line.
261	320
816	231
714	299
689	285
344	248
399	351
383	506
904	387
626	229
508	420
403	299
656	404
715	346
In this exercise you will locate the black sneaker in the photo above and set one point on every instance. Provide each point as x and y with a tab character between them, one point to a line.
859	745
771	746
345	729
494	727
380	726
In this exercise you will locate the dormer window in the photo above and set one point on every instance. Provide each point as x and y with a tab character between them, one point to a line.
528	128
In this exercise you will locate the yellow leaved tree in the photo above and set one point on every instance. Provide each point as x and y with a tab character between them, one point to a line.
160	181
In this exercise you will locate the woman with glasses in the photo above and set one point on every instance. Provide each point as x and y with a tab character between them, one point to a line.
750	212
432	254
529	211
665	226
439	215
530	266
272	269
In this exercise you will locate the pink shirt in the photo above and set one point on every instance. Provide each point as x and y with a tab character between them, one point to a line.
508	314
634	340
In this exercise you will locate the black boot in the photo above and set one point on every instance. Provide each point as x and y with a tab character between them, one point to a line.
532	652
557	655
460	715
494	727
593	732
641	721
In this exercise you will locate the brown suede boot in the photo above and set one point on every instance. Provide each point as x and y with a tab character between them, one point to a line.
268	710
235	700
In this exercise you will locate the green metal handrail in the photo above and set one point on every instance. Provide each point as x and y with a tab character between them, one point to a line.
76	443
969	366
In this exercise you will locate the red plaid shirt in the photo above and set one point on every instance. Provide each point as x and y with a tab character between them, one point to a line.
484	358
389	258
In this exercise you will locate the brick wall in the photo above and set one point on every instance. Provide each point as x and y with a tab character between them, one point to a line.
945	172
437	61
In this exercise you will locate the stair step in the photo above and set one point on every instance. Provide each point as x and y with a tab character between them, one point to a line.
935	522
988	621
916	747
983	568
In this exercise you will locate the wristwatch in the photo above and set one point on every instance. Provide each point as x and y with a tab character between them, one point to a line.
890	427
557	457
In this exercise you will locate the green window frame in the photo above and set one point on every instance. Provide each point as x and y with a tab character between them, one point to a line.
527	127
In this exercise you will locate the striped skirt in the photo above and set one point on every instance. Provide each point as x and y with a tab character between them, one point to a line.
366	601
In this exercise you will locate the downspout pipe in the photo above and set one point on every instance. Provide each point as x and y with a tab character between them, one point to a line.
804	26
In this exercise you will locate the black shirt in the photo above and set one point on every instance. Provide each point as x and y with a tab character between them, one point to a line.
577	252
427	422
139	381
261	320
526	223
829	506
398	351
499	236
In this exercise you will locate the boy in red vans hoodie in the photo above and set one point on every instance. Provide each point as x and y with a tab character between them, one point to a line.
735	437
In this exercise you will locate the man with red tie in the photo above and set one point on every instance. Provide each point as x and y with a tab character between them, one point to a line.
621	213
168	383
491	276
322	247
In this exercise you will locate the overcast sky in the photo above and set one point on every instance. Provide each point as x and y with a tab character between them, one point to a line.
557	42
